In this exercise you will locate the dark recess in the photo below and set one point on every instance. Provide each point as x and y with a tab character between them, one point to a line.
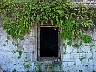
48	42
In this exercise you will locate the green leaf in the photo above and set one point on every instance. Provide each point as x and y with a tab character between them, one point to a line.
87	38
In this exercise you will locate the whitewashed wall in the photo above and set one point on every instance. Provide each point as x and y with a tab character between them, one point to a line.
82	59
10	48
79	60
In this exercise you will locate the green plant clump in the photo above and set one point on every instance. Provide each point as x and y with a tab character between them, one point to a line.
20	53
20	17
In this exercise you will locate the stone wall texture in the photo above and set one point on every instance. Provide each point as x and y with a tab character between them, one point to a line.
21	55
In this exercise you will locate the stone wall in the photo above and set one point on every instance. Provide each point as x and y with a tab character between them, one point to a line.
16	54
21	55
82	59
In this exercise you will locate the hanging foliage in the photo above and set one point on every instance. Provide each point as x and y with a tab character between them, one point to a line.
19	17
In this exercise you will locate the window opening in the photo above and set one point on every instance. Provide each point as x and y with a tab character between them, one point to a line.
48	42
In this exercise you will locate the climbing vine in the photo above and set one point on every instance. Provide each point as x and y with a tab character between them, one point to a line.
20	17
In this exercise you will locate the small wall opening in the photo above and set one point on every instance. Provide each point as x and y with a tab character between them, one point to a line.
48	42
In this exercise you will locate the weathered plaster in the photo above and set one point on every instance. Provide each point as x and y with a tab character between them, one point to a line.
82	59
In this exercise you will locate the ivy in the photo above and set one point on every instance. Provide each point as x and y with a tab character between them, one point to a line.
20	53
86	39
20	17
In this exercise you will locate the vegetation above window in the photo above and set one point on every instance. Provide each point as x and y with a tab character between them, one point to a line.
20	17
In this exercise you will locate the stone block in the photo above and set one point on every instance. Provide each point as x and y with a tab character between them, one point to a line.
94	35
78	62
75	56
78	68
89	55
28	48
84	49
71	68
69	49
94	61
90	62
74	50
85	62
71	63
94	48
94	56
84	69
66	57
94	68
82	55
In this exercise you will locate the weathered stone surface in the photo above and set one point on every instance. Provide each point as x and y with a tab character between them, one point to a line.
72	59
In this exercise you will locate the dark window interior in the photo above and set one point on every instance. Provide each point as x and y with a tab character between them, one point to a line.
48	42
